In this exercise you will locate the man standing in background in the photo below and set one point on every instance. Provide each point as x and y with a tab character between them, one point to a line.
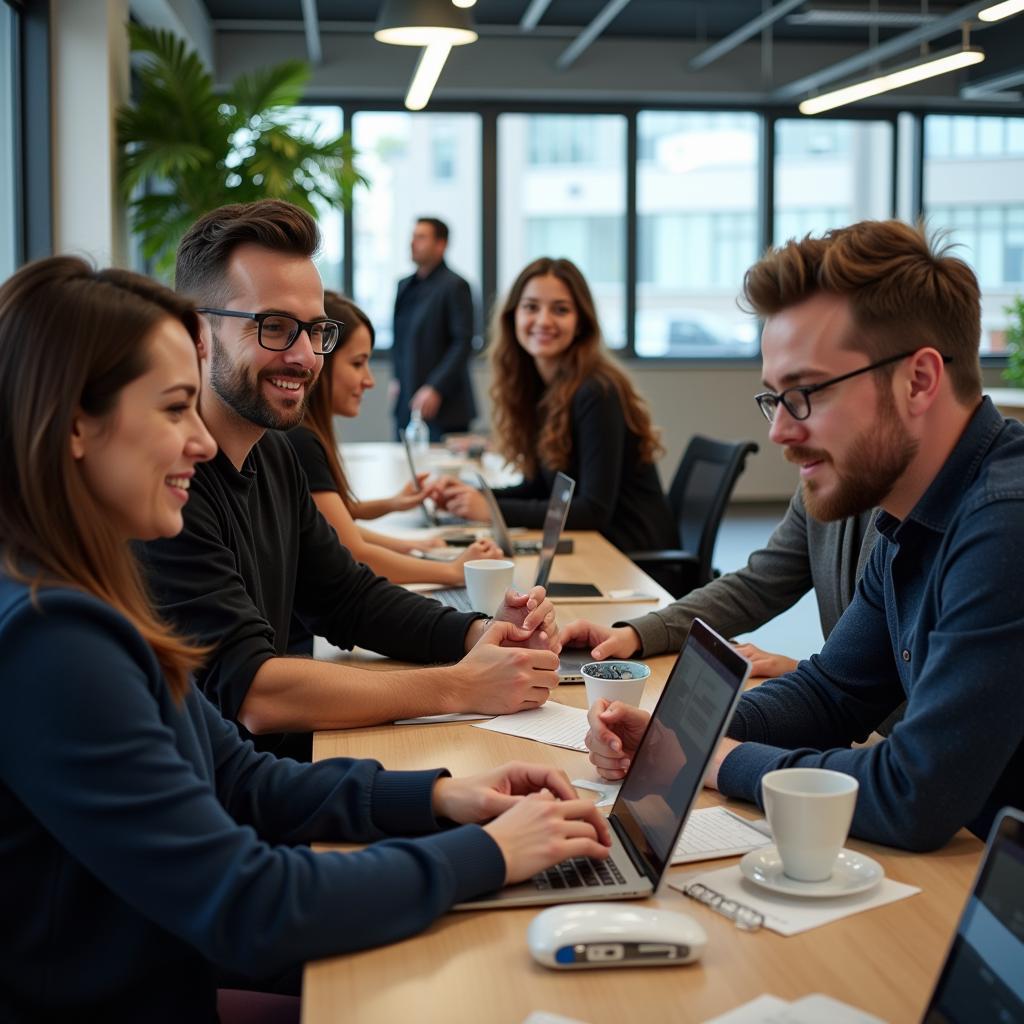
433	338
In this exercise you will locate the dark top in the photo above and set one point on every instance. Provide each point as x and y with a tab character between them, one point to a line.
938	620
317	471
616	493
143	844
433	343
313	460
254	549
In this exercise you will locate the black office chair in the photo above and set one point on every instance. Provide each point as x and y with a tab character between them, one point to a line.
699	494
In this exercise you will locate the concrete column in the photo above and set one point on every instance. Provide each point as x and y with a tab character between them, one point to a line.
90	79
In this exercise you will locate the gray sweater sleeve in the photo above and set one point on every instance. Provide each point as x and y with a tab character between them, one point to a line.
774	579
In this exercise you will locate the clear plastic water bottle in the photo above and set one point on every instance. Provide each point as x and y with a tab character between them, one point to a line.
417	433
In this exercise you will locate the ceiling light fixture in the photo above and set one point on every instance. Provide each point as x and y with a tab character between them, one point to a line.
437	26
423	22
464	3
428	70
999	11
919	71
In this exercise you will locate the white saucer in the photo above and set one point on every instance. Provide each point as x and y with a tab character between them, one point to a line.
853	873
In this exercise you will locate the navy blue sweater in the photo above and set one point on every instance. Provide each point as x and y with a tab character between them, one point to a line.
144	844
938	621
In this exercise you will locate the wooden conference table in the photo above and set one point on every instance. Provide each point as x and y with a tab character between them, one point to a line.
475	967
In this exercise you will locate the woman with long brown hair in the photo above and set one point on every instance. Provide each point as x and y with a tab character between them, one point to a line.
339	391
560	402
146	847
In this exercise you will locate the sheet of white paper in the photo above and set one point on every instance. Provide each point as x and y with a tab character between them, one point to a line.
440	719
555	724
543	1017
811	1009
609	791
789	915
713	832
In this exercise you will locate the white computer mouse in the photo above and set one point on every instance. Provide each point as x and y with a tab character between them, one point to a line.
613	935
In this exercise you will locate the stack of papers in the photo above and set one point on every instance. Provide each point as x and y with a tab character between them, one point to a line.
809	1010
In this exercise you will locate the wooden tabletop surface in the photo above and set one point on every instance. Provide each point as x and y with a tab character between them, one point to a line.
475	967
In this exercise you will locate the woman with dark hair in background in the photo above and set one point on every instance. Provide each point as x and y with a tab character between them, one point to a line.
147	849
346	376
560	402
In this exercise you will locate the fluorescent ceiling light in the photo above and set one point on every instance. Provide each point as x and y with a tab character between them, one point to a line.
464	3
999	11
939	64
428	70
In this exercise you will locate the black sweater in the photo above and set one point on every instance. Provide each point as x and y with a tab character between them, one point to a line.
253	550
616	493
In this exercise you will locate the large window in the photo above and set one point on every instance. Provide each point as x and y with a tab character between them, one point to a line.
9	219
323	123
697	232
830	173
562	192
974	189
419	165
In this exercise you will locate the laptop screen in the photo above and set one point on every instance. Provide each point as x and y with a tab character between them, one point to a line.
669	765
983	977
554	522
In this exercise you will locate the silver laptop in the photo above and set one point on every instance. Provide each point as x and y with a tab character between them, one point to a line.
983	976
554	521
663	781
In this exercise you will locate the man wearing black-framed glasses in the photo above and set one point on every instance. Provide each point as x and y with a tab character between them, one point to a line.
870	360
254	549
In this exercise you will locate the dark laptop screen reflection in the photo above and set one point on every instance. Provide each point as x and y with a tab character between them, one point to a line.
673	758
983	978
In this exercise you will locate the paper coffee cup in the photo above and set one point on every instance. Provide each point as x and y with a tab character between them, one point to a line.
615	680
487	579
809	811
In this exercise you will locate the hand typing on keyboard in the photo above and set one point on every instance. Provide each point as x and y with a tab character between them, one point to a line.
542	830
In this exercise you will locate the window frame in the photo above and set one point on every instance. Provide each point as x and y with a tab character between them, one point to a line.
768	115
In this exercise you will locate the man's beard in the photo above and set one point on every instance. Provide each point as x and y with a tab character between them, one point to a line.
874	462
242	393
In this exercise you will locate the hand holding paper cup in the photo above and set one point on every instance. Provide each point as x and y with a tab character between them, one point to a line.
809	811
487	579
615	680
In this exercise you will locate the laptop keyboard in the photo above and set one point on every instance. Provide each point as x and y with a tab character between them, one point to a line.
455	597
579	872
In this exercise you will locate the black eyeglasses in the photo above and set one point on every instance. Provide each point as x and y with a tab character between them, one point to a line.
797	400
278	331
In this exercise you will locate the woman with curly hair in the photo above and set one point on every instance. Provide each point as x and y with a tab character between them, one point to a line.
560	402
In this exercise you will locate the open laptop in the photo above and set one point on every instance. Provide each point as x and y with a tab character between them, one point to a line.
554	521
983	976
663	781
500	531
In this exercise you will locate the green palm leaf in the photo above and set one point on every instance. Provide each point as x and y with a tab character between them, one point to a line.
186	149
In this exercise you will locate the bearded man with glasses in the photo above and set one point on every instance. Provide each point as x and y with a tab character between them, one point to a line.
254	548
870	361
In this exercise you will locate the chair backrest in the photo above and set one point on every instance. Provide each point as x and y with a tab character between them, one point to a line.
701	490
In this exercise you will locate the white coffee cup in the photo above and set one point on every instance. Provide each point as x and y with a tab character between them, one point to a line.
487	579
809	811
629	691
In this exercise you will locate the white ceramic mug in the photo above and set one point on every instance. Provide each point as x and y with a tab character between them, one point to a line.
809	811
629	691
487	579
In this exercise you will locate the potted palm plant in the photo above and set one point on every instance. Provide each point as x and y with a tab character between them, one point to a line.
186	148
